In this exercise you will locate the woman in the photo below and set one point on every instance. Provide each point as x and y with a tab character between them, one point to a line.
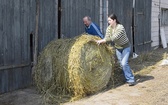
116	33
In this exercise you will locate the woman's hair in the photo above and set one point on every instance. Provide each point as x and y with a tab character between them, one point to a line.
114	17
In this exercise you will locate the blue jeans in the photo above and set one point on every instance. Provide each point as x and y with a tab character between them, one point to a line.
123	56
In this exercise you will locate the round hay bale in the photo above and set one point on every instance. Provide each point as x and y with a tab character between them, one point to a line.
73	68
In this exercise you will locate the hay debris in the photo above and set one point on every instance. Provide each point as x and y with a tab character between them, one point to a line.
69	69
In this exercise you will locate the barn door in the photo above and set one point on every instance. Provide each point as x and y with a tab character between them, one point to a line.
142	26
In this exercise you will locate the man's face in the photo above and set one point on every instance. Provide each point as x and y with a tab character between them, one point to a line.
86	22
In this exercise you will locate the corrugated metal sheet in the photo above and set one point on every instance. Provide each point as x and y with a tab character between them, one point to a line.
16	23
73	12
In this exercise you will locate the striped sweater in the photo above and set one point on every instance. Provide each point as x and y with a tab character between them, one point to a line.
118	36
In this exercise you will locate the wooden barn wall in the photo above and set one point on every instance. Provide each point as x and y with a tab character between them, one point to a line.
142	32
123	10
72	13
48	22
17	22
139	20
17	18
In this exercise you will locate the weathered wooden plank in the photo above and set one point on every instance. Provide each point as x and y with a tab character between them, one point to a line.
16	23
56	19
147	30
1	46
25	34
17	78
1	35
142	18
139	34
18	42
4	75
10	49
8	67
26	77
3	82
22	31
17	30
32	14
73	19
127	19
46	28
11	32
97	12
4	32
47	23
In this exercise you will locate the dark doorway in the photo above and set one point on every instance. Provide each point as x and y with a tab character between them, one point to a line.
31	47
59	19
133	27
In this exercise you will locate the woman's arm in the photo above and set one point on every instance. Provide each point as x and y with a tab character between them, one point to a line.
107	36
100	41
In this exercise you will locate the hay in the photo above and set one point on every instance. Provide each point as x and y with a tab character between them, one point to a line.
70	69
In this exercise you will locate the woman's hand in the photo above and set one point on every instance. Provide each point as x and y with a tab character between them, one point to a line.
100	41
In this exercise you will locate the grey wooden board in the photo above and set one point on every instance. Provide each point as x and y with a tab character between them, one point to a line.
17	21
47	22
142	30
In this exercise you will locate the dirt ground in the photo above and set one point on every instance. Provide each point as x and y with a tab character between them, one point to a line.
151	87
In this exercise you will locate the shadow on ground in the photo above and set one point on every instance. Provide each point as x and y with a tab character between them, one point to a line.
141	66
140	78
147	59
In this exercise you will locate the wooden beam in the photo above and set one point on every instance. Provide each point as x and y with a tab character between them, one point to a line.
8	67
36	35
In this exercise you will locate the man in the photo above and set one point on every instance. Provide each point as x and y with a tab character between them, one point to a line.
92	28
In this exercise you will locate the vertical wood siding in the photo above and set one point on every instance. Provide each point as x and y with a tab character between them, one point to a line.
142	19
123	10
142	16
17	21
73	12
48	28
17	18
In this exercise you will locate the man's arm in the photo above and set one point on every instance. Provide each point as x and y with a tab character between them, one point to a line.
97	30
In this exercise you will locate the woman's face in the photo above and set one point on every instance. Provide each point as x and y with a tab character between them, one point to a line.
111	21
